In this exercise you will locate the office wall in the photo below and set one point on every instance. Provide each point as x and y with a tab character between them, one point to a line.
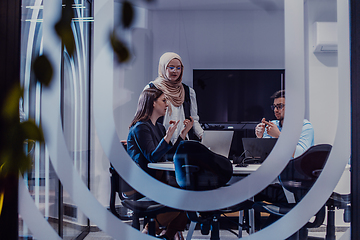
322	74
204	40
322	83
228	40
219	39
130	78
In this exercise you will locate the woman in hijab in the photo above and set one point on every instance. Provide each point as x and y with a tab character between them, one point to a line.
169	81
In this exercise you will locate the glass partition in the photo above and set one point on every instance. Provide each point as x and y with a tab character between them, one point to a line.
54	203
237	37
98	98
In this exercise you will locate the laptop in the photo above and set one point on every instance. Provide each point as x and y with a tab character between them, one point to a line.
218	141
257	149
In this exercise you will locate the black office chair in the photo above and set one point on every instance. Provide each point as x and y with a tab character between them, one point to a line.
118	186
298	177
147	210
129	200
339	201
197	168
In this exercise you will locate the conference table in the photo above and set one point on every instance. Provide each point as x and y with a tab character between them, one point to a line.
237	171
169	166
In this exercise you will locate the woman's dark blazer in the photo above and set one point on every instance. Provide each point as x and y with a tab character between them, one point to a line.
146	144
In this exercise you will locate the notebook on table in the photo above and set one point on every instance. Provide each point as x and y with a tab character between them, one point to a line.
257	149
218	141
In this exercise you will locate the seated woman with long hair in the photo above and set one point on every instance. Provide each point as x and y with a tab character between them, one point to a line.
148	142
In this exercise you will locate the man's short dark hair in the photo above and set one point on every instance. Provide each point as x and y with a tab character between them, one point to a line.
278	94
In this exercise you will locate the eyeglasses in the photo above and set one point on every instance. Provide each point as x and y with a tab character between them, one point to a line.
174	68
277	106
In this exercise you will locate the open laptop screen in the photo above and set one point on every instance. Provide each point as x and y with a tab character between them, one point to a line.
258	148
218	141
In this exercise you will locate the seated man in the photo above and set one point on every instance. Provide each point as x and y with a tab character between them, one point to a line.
272	129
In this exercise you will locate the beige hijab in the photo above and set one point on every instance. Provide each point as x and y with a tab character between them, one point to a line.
174	91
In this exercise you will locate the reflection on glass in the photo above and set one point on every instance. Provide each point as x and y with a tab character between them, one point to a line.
75	109
42	181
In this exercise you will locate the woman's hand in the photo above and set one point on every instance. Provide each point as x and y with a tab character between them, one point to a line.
171	130
188	124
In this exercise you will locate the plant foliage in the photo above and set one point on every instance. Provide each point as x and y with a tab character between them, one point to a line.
63	27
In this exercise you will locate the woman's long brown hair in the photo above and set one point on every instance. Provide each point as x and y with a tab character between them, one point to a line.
145	105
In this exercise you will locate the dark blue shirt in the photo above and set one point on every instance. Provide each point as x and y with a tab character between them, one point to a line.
146	144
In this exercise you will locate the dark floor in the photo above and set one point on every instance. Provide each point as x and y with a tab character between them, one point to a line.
318	233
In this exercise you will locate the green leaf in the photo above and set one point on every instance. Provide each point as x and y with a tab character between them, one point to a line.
10	109
63	28
127	14
5	156
119	48
64	31
14	161
25	163
4	159
31	131
43	69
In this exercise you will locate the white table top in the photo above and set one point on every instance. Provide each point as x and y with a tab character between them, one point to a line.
169	166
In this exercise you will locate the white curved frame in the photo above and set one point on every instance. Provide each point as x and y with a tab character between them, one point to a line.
32	216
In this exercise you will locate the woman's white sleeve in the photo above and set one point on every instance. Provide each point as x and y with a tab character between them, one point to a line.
194	114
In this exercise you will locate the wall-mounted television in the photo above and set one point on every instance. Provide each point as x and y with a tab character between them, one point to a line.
236	95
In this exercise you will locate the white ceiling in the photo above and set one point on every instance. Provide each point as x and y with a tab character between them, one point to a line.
267	5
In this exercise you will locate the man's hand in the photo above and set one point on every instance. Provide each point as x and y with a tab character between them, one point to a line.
272	129
260	129
171	130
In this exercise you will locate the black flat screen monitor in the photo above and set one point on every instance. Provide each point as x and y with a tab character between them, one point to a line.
236	96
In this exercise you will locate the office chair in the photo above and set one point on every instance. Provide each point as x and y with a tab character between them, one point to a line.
197	169
147	210
119	186
298	177
339	201
129	199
